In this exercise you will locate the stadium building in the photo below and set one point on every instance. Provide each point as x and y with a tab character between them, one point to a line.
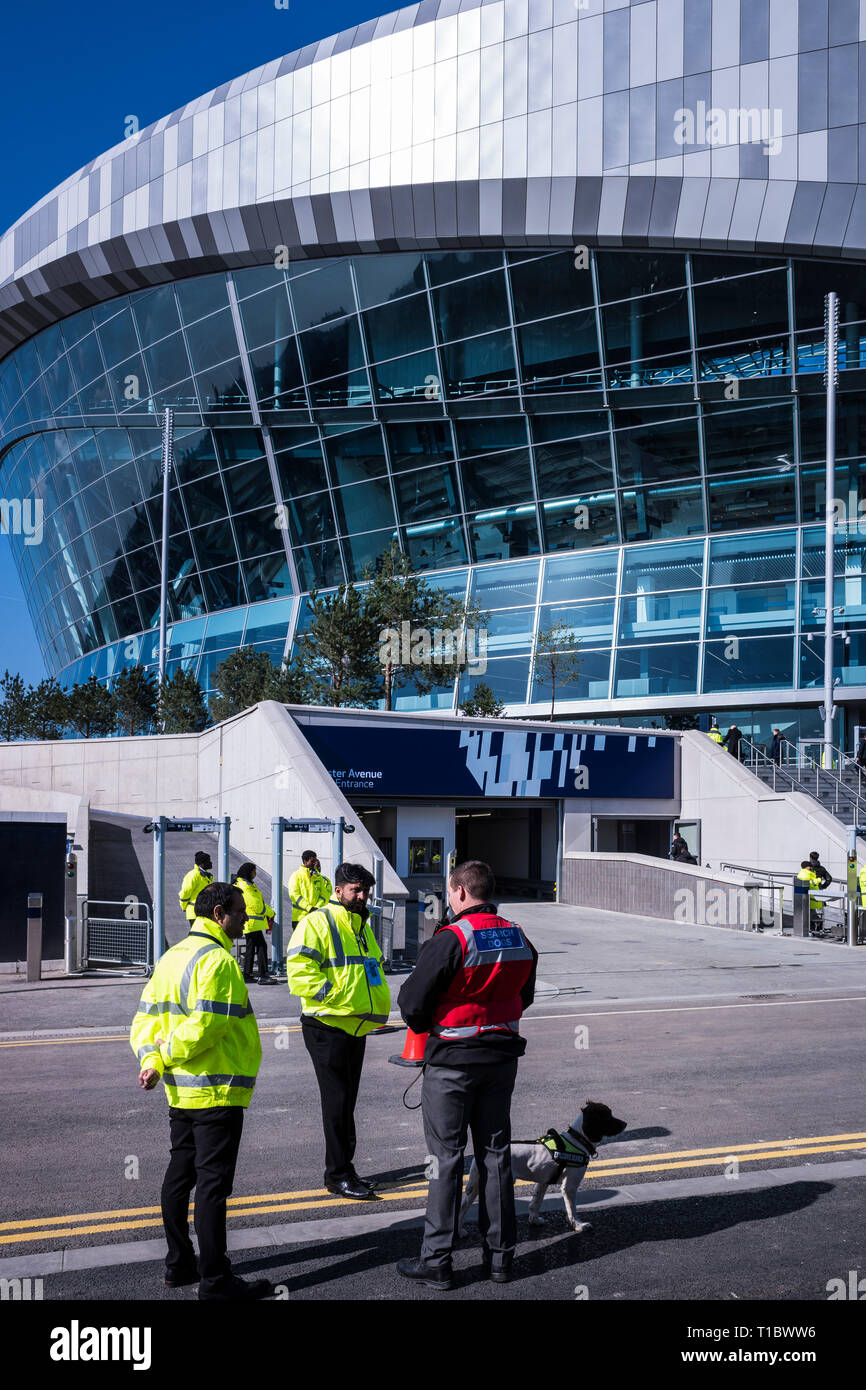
535	288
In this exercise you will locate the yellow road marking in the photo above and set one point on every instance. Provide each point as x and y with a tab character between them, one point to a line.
297	1201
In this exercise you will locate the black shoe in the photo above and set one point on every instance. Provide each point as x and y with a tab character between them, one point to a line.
265	980
435	1277
178	1278
365	1182
500	1275
239	1289
352	1188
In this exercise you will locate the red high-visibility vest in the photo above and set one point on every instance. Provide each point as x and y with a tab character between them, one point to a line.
484	995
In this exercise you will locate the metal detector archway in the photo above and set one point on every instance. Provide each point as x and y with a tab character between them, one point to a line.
279	826
160	828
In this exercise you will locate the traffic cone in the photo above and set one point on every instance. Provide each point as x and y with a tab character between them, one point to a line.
413	1050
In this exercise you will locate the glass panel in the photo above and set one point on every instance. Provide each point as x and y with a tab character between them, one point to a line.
330	351
549	284
505	586
579	457
86	360
592	681
214	545
361	551
740	559
224	630
592	623
560	353
624	275
497	478
642	331
848	552
656	670
660	617
248	486
277	374
364	506
479	365
507	533
319	566
849	594
223	387
194	455
267	577
224	588
257	278
663	567
427	493
212	341
310	518
118	338
750	664
414	378
575	523
580	576
738	503
167	363
201	296
266	317
662	511
397	329
257	533
323	294
744	440
380	278
356	455
264	624
419	442
301	469
510	632
155	313
455	265
435	544
811	284
651	447
850	427
767	608
507	679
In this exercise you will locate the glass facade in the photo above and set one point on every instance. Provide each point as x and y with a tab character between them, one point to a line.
630	443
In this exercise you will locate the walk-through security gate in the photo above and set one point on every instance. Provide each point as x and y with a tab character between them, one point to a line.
279	827
159	828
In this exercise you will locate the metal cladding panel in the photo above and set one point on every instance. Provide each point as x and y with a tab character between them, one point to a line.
631	108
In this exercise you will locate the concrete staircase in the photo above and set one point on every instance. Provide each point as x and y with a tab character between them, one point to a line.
838	791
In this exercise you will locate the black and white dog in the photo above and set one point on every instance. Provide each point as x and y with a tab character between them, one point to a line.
549	1160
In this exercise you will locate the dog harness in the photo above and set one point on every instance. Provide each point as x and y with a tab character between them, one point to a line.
568	1153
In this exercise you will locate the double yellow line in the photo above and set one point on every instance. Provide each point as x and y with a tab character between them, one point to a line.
719	1156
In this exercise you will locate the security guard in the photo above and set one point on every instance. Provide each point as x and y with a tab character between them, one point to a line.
196	1029
862	882
808	875
714	732
336	968
198	878
472	982
308	887
260	919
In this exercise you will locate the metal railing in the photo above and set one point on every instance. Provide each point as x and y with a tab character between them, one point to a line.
805	775
117	940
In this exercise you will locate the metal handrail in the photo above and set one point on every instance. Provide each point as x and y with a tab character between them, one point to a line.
851	799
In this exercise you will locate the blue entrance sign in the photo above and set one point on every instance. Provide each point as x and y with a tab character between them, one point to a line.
493	762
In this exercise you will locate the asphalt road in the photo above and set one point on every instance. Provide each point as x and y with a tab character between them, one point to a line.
736	1059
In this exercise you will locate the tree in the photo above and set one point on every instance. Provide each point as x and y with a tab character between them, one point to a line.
181	707
241	681
288	684
135	695
47	710
91	709
556	658
483	702
338	650
13	708
422	631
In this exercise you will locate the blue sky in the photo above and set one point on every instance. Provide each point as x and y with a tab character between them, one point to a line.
74	73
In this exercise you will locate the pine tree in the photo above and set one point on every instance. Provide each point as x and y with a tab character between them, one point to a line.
241	682
556	658
483	702
289	684
181	706
13	708
47	710
339	649
92	709
424	635
135	695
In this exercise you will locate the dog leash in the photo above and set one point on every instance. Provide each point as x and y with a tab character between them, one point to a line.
408	1089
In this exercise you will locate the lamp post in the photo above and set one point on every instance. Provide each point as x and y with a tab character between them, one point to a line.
831	379
167	450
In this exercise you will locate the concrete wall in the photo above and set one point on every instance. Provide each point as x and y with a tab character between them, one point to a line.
658	888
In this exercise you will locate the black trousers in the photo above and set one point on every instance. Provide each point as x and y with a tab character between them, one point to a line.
337	1060
204	1153
256	946
454	1102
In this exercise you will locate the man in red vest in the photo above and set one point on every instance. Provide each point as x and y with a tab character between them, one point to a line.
472	982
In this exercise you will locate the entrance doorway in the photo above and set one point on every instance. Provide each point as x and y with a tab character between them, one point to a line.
519	844
651	837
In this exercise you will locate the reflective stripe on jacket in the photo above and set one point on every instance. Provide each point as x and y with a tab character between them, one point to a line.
334	965
814	882
307	892
484	995
259	915
193	883
196	1000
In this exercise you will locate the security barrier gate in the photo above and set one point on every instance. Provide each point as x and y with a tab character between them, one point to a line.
112	938
159	827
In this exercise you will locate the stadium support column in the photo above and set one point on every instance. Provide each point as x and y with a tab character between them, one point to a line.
831	323
167	443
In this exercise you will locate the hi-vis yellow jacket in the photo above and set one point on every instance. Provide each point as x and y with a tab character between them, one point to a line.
259	915
307	890
814	882
334	966
196	1000
194	882
861	878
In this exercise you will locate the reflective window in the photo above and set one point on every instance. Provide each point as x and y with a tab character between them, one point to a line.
436	544
738	503
504	533
580	576
301	469
571	451
364	506
266	316
380	278
481	365
277	375
155	313
850	427
356	455
257	533
319	566
426	493
322	294
267	577
660	617
212	341
648	513
332	350
415	378
509	586
656	670
542	286
118	338
393	330
417	443
507	678
361	551
640	330
625	277
663	567
592	623
560	353
744	559
456	265
750	663
652	446
578	522
591	683
201	296
311	518
743	440
249	486
768	608
167	363
497	478
737	310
